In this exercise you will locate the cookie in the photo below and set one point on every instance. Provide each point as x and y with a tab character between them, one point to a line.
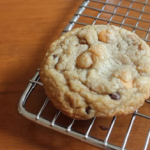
99	70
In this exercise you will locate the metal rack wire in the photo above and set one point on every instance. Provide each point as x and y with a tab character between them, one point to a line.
34	82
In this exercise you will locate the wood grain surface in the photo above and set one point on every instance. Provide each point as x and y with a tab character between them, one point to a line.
26	30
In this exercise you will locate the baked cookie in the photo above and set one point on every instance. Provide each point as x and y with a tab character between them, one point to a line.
99	70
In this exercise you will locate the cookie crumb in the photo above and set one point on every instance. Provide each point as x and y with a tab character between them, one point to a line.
103	128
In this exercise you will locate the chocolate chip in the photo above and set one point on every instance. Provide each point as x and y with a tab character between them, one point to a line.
115	96
82	41
88	109
103	128
54	56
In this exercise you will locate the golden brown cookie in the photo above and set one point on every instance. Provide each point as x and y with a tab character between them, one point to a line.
99	70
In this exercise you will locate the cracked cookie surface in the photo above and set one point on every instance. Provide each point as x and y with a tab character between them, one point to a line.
99	70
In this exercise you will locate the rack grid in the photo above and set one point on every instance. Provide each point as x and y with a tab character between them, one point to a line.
101	12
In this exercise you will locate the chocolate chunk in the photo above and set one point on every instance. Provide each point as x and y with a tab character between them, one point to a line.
82	41
115	96
88	109
54	56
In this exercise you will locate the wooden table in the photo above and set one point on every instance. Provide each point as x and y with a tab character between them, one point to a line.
26	30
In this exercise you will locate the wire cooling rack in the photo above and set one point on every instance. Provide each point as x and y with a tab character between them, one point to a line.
121	13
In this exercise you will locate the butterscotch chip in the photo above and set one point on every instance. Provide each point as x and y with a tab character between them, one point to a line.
99	70
84	60
127	85
140	47
102	36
